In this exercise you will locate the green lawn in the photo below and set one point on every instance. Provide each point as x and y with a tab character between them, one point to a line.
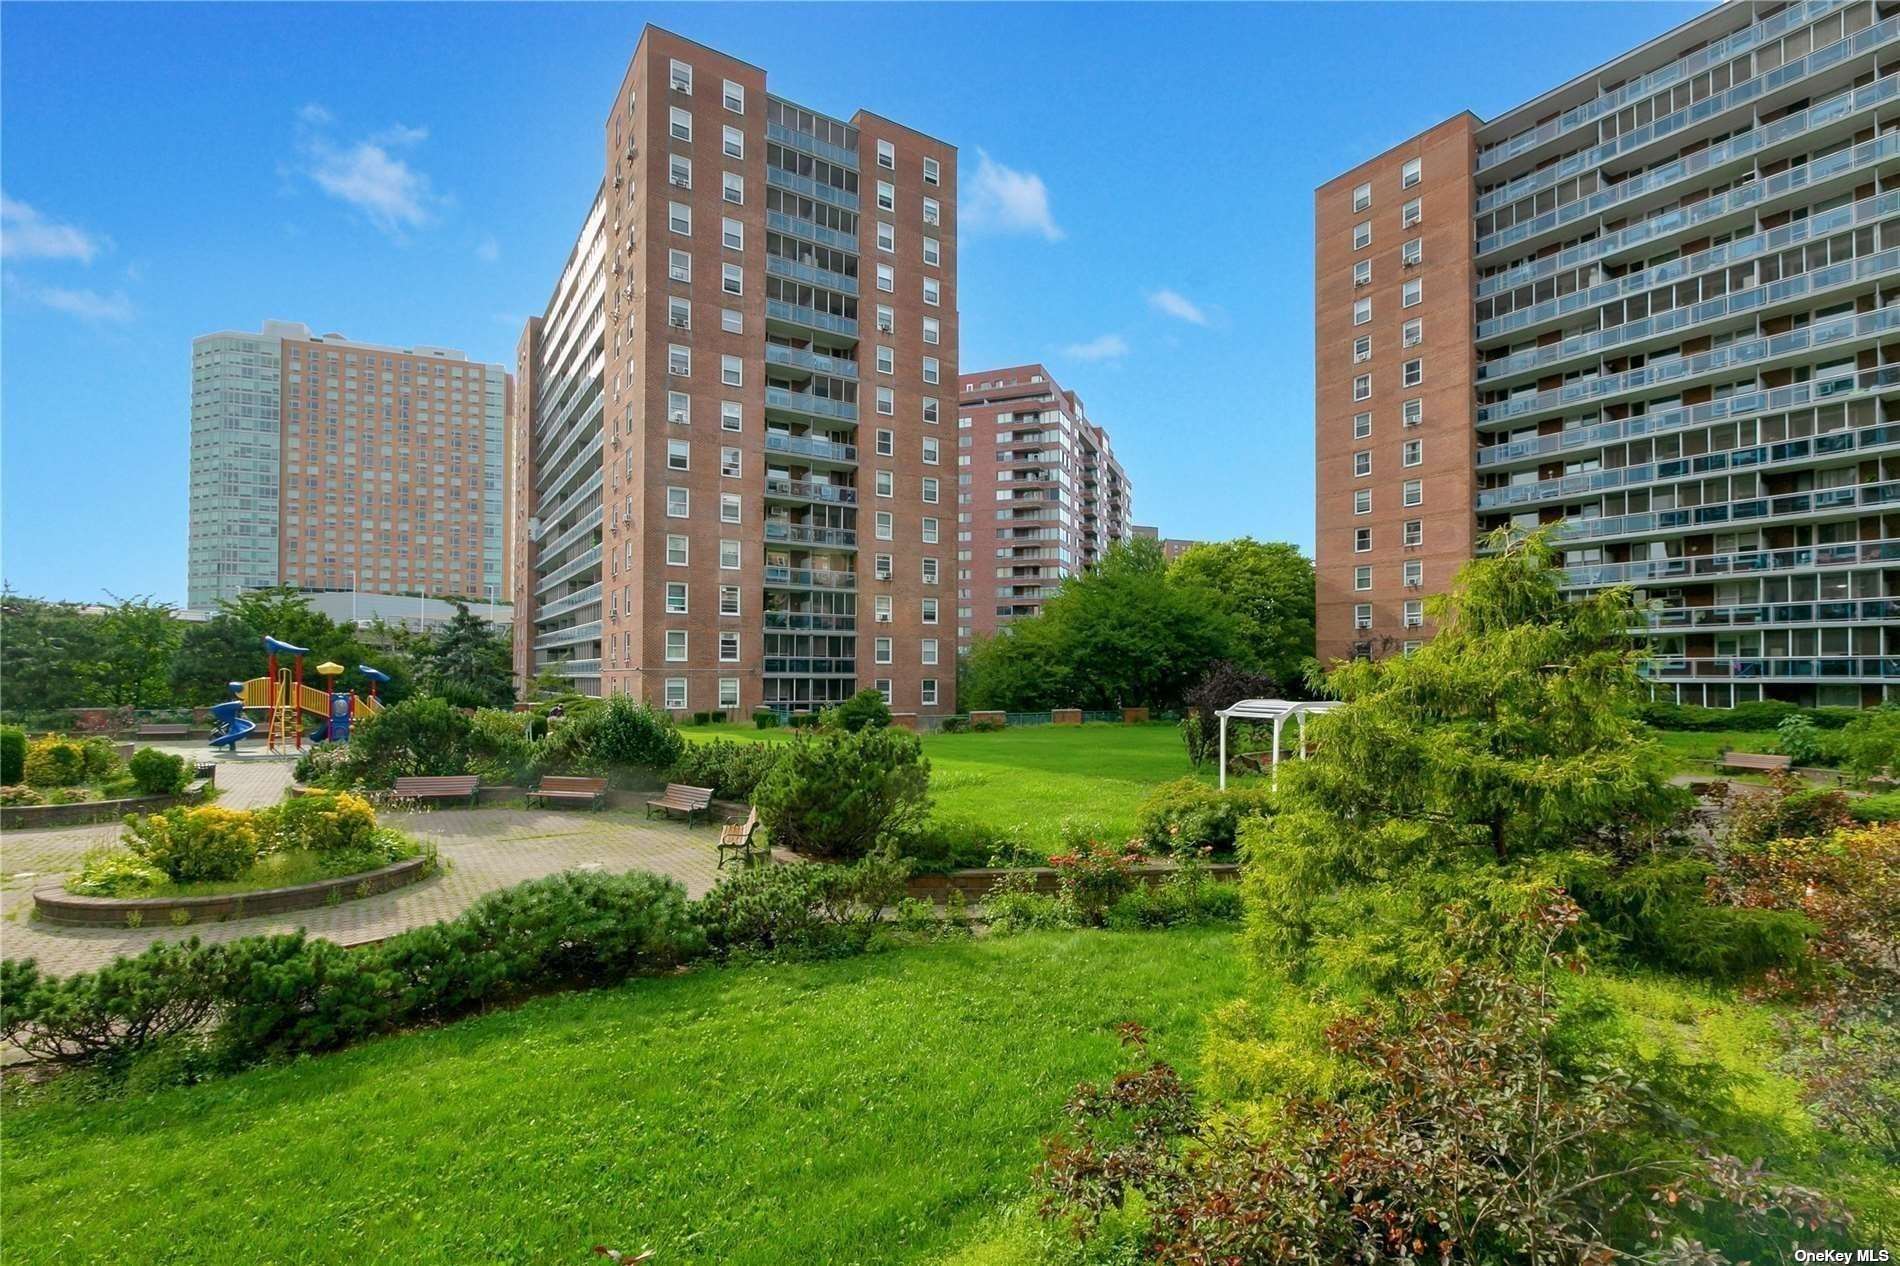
1694	749
877	1109
1033	777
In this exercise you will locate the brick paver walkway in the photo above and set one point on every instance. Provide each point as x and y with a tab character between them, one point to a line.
483	849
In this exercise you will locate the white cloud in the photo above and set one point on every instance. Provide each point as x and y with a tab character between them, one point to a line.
488	250
87	305
366	175
1106	347
1003	200
26	234
1177	305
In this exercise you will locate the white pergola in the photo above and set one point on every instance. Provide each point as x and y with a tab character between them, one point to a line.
1276	711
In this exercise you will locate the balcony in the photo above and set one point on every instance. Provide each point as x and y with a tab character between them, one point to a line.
808	666
568	570
572	602
809	622
575	667
815	447
810	188
1840	611
1743	563
779	266
816	362
806	490
1820	501
809	578
806	403
798	226
1775	668
589	632
781	532
823	149
810	318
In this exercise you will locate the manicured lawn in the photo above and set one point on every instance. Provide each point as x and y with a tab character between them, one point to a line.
877	1109
1033	777
1694	749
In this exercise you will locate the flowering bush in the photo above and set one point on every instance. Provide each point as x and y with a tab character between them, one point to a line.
192	845
21	794
334	823
55	762
115	874
1095	876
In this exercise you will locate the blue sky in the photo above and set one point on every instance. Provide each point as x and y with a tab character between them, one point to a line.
416	173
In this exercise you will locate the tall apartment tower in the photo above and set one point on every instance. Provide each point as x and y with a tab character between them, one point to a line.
732	464
1040	495
325	463
1659	308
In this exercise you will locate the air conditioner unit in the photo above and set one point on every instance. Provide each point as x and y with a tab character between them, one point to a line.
885	327
881	574
677	322
683	85
881	618
676	416
679	182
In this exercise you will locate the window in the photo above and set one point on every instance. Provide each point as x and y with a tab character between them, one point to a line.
678	502
676	551
929	695
679	218
881	650
732	321
731	463
886	236
931	171
930	571
1362	501
728	555
933	291
676	694
928	647
1414	532
679	313
1362	197
731	416
732	279
1412	412
1361	425
679	265
1414	492
933	331
1362	348
886	402
1362	578
1362	463
729	693
886	280
881	609
1362	273
732	187
732	142
1412	333
679	408
886	442
679	455
732	371
680	75
933	251
1413	573
679	171
1362	387
1411	173
886	360
675	646
729	507
930	490
886	319
1414	613
933	211
886	156
728	600
933	370
1412	292
1412	453
1412	373
886	483
1362	540
1413	251
734	97
728	648
932	450
676	597
681	126
1410	214
881	528
1362	615
1362	235
731	236
1361	311
929	615
886	196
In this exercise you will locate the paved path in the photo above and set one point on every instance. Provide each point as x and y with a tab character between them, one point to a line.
483	849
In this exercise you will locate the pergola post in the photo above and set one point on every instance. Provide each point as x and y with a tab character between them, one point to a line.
1223	749
1302	733
1278	721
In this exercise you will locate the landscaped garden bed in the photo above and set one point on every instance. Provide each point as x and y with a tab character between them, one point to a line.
56	905
57	781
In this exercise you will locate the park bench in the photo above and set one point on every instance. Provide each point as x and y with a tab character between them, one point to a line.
557	789
680	798
448	788
164	731
1755	761
736	841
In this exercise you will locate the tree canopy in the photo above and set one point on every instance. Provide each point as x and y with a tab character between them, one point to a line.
1267	589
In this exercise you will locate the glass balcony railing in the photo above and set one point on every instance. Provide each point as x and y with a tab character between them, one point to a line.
1590	482
782	532
1846	162
799	226
1649	571
1824	667
810	188
802	665
811	446
572	602
810	144
779	266
810	490
812	318
1745	510
585	524
589	632
1755	615
816	362
806	402
809	578
576	667
1745	404
810	622
567	571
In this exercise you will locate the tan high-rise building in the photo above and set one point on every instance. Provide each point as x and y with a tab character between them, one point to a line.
1657	308
1040	495
329	464
735	475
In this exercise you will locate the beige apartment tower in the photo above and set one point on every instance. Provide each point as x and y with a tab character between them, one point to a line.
732	460
1658	309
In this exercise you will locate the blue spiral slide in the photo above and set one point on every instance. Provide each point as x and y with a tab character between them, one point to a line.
232	723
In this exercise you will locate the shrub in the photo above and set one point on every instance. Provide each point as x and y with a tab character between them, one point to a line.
1095	876
1658	912
1881	808
422	736
12	754
67	795
985	726
102	756
55	762
115	873
1870	743
765	719
955	725
732	769
801	909
1185	898
1847	883
1187	814
327	765
805	720
197	844
1224	685
1802	741
619	734
840	795
499	749
112	1014
702	718
1789	808
955	843
1013	905
20	794
158	773
325	823
865	709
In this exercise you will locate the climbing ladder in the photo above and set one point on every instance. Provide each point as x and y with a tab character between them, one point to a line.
284	728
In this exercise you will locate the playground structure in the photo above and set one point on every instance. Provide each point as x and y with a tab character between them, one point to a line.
286	702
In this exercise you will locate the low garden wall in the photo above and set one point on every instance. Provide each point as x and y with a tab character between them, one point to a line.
976	884
34	817
56	905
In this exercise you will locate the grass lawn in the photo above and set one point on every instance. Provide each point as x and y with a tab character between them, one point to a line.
1033	777
876	1109
1694	749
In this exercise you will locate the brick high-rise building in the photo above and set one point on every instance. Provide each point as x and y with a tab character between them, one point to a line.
325	463
1659	308
1040	495
733	461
